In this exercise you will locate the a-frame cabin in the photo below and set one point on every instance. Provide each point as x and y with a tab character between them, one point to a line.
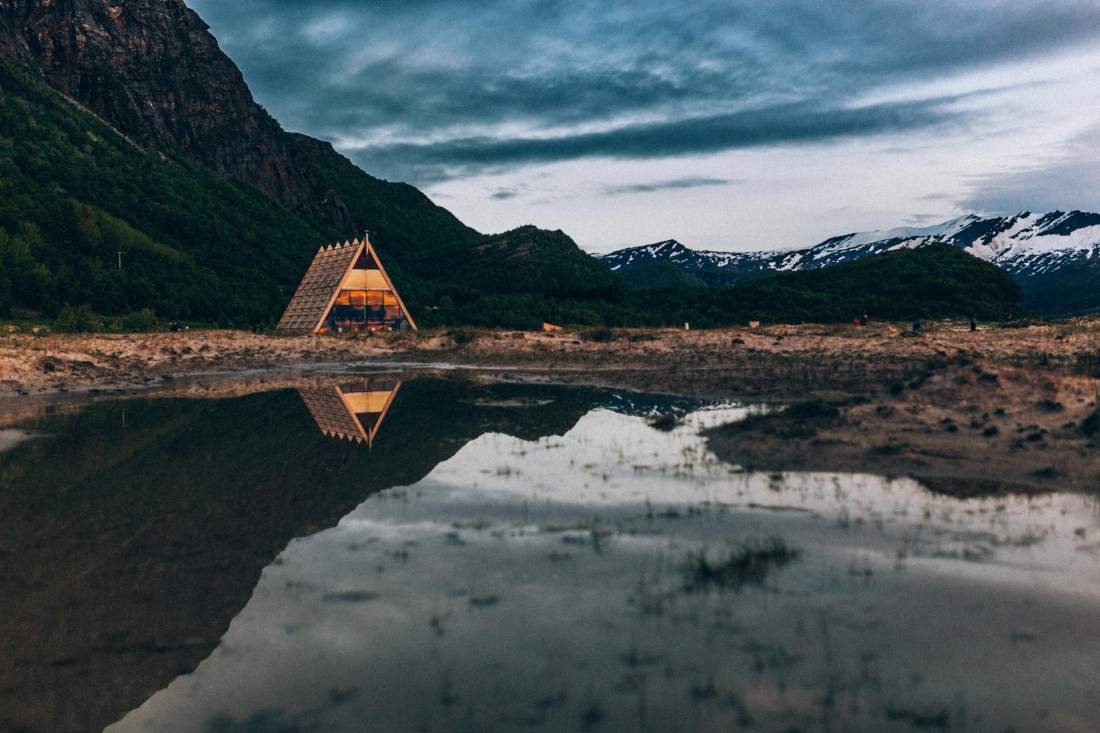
346	290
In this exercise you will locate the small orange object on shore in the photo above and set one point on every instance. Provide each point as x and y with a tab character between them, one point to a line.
550	328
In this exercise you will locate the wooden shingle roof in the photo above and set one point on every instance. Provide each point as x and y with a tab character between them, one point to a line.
317	289
331	414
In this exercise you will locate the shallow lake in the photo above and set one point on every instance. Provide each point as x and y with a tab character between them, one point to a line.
392	554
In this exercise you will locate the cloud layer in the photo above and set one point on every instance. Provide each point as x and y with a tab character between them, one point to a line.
430	90
627	121
668	185
1069	179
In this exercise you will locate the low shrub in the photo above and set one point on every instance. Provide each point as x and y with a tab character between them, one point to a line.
599	335
77	319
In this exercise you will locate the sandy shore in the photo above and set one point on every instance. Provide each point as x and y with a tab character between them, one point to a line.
788	359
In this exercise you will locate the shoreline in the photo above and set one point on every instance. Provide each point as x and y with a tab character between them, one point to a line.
778	360
996	412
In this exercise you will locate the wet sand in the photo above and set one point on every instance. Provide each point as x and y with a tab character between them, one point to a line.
963	429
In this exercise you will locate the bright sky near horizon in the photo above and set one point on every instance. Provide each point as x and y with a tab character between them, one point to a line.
725	124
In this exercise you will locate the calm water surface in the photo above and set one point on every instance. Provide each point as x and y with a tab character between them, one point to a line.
426	555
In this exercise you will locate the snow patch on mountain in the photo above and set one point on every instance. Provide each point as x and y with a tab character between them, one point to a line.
671	250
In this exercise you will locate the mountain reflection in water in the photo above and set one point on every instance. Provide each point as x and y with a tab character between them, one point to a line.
131	532
510	557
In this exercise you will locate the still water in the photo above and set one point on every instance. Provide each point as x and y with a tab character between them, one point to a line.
429	555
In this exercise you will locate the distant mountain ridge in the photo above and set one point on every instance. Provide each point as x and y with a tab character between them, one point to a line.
1055	256
710	267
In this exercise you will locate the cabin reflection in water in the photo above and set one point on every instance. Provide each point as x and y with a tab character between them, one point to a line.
353	411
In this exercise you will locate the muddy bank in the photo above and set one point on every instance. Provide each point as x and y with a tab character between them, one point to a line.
782	360
966	429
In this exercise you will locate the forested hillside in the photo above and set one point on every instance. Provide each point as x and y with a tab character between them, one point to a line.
936	281
153	71
74	193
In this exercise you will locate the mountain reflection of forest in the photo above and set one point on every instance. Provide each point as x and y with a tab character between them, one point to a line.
134	530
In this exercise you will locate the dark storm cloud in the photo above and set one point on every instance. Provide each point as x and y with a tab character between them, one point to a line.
785	124
428	88
669	185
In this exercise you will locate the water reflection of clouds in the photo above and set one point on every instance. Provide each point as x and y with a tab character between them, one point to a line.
11	438
540	583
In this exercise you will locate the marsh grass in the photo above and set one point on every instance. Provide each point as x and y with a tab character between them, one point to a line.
666	422
598	335
749	564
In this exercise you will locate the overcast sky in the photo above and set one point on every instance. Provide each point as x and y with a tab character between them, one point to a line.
733	124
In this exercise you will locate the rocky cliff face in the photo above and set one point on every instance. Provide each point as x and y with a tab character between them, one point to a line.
154	71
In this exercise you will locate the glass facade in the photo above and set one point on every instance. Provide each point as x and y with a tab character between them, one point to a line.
366	310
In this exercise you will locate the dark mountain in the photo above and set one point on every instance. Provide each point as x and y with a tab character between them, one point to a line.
657	274
935	281
529	260
151	70
1054	256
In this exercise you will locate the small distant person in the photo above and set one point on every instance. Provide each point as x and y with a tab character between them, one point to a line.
866	318
973	324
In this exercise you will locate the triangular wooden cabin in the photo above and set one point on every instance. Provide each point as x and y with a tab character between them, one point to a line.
352	411
346	290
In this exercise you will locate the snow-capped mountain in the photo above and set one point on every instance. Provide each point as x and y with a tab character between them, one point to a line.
1055	256
705	267
672	251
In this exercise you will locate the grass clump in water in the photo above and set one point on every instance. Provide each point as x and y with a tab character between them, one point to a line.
812	410
666	422
749	564
1090	426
